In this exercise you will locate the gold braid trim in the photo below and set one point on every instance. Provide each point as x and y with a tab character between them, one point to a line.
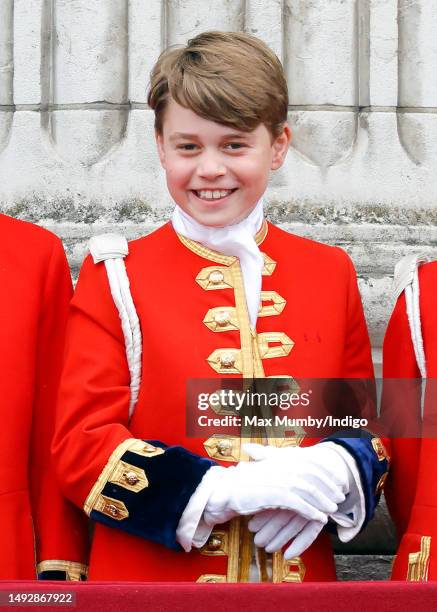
72	569
108	470
418	562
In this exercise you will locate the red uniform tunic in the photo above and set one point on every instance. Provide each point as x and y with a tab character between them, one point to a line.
412	487
37	523
311	324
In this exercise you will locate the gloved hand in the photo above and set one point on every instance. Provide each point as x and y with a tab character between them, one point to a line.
286	478
275	528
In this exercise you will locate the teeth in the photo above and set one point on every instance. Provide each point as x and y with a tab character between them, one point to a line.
213	195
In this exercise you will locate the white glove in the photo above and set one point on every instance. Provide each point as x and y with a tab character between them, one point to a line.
286	479
274	529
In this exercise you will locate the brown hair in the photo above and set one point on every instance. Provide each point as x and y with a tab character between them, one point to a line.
227	77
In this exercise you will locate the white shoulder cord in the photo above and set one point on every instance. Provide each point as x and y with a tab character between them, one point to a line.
406	278
111	249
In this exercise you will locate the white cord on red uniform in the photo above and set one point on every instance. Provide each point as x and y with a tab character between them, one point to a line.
111	249
406	278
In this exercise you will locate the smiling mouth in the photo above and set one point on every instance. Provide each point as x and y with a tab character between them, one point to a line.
208	195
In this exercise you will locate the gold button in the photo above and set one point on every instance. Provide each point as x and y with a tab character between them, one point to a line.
112	510
227	360
214	543
222	318
224	448
216	277
131	478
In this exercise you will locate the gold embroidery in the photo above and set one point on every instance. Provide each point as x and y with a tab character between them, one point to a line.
223	447
381	483
379	449
129	477
114	508
213	278
145	449
245	550
243	322
206	253
292	570
131	444
72	569
221	319
269	265
234	550
211	578
273	309
106	474
226	361
418	562
267	351
217	545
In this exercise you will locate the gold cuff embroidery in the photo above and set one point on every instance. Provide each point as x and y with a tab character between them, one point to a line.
72	569
273	309
225	448
418	562
381	483
379	449
145	449
281	350
113	508
131	444
221	319
129	477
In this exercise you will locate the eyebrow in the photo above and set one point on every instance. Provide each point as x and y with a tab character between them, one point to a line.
182	135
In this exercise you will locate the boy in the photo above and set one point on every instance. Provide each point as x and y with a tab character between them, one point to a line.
37	522
410	354
211	304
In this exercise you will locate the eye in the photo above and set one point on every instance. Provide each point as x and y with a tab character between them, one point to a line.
189	146
234	146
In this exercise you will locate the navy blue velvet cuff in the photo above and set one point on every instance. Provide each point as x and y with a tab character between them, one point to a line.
155	511
372	462
52	575
56	575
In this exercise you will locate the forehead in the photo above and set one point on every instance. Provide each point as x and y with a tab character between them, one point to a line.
178	120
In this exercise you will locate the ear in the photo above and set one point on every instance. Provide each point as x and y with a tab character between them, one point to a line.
280	147
160	147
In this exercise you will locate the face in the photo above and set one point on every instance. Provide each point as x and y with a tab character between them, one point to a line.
215	173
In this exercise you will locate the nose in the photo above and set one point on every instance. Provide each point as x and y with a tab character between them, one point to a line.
210	165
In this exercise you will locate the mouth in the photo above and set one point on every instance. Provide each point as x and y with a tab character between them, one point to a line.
216	195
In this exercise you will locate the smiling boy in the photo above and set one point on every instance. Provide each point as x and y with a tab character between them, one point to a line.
217	292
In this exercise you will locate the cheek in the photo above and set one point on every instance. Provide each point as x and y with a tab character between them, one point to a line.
178	172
